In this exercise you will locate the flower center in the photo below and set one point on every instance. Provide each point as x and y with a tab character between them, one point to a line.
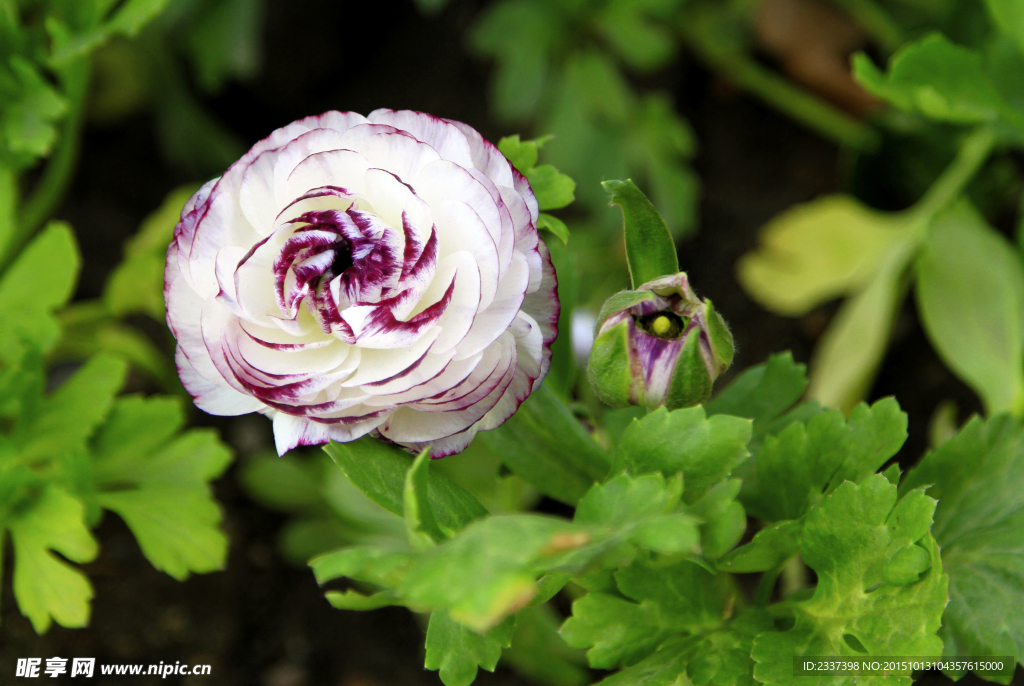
663	324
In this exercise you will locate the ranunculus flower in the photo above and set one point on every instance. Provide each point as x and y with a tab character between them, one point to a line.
353	274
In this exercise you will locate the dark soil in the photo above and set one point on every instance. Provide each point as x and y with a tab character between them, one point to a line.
261	621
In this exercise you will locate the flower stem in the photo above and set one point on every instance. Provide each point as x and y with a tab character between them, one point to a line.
876	21
767	586
781	94
974	150
57	175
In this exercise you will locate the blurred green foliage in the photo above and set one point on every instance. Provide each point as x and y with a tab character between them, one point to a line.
71	448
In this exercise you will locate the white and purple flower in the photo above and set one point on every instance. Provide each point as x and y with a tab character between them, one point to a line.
354	274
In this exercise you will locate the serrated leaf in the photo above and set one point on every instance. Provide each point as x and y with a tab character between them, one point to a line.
650	250
769	549
127	20
977	478
763	392
491	568
798	467
29	113
367	563
613	630
457	651
970	293
44	586
26	300
553	189
176	526
859	528
545	445
941	80
157	481
555	226
522	154
69	415
684	596
539	653
816	252
379	470
643	44
705	450
520	35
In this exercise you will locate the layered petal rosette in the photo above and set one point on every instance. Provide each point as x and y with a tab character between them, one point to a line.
355	274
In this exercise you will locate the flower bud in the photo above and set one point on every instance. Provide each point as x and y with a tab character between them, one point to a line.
658	345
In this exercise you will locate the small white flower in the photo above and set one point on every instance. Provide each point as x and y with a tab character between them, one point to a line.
353	274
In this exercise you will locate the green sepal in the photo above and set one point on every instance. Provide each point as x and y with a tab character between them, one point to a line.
720	336
609	368
650	250
623	300
691	383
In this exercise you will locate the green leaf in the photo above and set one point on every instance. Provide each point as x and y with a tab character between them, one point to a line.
176	526
614	631
8	208
522	154
224	41
847	541
816	252
127	20
540	654
799	467
520	35
553	189
548	447
978	479
490	569
368	563
970	293
423	529
763	392
379	470
684	596
940	80
69	415
1009	17
650	251
457	651
644	508
44	586
769	549
137	284
26	301
642	43
30	110
723	519
156	480
705	450
555	226
849	353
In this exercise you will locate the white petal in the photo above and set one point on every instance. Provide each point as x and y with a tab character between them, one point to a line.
448	140
212	397
486	156
339	168
457	319
390	197
399	153
497	318
379	365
